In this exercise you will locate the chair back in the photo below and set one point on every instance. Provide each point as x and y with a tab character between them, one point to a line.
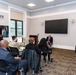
44	49
14	51
3	66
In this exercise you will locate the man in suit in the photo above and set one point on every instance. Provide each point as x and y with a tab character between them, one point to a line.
13	62
49	39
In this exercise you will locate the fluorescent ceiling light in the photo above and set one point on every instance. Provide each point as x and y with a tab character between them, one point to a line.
49	0
31	4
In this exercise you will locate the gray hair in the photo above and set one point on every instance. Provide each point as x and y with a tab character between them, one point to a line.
3	42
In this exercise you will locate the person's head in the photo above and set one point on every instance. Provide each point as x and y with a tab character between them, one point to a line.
4	44
14	38
49	35
30	41
33	39
43	42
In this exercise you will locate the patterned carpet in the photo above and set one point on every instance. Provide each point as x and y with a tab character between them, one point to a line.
64	63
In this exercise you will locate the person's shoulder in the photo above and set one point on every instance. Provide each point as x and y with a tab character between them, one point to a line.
51	37
2	50
27	44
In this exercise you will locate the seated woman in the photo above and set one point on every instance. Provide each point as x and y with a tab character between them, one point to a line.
32	46
44	48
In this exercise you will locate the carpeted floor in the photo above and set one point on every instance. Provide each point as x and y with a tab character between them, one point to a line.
64	63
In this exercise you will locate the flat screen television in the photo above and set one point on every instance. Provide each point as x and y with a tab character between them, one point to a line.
59	26
4	30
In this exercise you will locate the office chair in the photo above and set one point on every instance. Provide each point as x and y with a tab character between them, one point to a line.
3	66
14	51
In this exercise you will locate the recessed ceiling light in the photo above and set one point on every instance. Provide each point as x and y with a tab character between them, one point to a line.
49	0
31	4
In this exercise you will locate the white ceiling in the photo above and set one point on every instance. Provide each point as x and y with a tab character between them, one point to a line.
40	4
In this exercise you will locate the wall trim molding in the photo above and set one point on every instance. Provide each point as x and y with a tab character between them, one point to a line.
64	47
52	14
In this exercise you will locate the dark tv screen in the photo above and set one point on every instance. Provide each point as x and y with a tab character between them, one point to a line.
59	26
4	30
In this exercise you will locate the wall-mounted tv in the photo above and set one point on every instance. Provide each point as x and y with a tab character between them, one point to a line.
59	26
4	30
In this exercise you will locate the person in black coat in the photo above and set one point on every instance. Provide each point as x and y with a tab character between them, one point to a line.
44	48
49	40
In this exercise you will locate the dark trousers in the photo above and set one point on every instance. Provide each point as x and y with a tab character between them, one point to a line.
44	56
24	64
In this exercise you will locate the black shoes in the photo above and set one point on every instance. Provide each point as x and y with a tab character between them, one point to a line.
51	60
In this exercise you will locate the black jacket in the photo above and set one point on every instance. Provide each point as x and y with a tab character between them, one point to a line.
33	47
51	39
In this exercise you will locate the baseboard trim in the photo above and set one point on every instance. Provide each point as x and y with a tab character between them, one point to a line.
64	47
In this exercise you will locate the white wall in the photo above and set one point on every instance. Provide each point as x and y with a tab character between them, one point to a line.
37	26
4	10
18	14
36	23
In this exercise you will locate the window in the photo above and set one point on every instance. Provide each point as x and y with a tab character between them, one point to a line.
17	29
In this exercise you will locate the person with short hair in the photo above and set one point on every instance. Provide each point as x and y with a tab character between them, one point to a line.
14	42
49	40
13	62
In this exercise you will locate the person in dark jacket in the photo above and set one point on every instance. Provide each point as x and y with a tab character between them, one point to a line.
44	48
49	40
32	46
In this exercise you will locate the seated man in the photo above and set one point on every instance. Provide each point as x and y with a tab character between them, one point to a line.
13	62
49	40
14	42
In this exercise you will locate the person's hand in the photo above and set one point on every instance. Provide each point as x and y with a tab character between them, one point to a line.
23	36
18	58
